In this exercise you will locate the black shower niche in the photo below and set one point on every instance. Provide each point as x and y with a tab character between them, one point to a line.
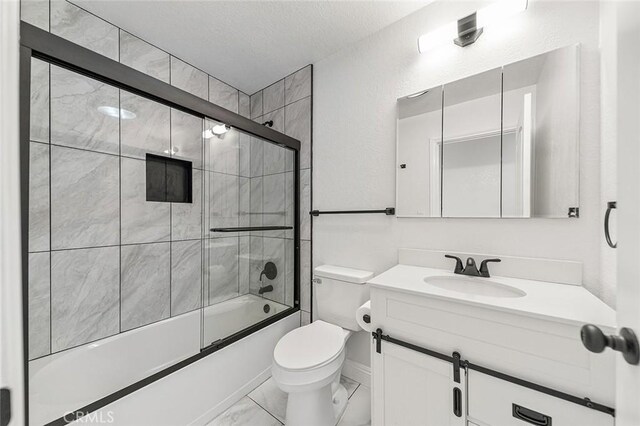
168	179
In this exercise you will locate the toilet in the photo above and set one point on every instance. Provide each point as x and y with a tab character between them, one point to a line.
307	361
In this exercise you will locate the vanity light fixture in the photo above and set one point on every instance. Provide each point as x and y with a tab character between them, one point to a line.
117	113
468	29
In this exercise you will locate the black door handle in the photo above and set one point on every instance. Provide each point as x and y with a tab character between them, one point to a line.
596	341
610	206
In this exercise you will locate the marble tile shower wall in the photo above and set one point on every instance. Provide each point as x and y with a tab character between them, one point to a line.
287	103
102	260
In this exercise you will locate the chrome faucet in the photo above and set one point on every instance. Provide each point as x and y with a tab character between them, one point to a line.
470	268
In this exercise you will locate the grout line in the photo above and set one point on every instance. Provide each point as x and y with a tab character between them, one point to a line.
114	245
89	150
354	391
50	214
119	212
171	216
267	411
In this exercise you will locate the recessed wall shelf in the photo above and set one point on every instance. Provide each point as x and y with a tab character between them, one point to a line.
168	179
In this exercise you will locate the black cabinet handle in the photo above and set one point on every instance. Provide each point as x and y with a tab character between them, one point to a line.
530	416
610	206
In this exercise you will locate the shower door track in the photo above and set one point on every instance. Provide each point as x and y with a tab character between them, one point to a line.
37	43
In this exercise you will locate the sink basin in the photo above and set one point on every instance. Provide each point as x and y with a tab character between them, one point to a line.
475	286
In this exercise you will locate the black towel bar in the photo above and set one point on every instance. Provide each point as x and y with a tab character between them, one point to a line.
389	211
252	228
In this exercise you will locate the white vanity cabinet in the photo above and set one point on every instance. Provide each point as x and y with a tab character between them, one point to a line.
529	344
413	389
494	402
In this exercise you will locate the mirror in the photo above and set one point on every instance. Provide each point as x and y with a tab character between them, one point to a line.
540	165
502	143
471	151
420	130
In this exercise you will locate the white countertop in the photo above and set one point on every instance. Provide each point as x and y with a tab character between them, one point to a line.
557	302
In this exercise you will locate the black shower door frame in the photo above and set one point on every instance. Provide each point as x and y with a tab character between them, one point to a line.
40	44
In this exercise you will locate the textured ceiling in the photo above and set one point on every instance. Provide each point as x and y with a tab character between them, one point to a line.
251	44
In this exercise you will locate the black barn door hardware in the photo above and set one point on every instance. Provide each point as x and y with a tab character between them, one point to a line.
457	402
466	364
389	211
611	205
596	341
251	228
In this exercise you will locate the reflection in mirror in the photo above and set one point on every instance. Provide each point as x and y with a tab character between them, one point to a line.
471	153
540	141
418	157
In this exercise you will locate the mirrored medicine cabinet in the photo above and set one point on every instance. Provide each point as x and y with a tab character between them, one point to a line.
499	144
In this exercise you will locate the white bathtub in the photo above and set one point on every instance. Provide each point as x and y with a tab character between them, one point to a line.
71	379
233	315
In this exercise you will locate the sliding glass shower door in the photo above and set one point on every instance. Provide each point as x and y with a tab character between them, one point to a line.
249	254
153	231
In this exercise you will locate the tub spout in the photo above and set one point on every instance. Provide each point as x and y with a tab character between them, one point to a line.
265	289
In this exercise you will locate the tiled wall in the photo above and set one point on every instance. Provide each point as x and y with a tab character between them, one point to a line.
102	260
287	103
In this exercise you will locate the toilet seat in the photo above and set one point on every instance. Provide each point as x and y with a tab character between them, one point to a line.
309	347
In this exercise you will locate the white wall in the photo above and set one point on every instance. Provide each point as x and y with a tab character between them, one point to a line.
354	141
11	342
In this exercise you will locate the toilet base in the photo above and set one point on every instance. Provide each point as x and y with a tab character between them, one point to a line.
318	407
340	400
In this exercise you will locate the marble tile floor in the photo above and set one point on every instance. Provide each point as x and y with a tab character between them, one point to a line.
266	406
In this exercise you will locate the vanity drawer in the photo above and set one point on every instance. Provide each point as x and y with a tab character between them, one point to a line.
495	402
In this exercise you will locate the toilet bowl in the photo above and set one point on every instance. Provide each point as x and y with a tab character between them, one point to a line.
306	364
307	361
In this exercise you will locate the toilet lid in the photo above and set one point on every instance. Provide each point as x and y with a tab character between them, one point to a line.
309	346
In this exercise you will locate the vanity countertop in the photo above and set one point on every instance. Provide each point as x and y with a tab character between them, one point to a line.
564	303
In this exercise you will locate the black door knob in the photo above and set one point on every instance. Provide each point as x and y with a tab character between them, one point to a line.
596	341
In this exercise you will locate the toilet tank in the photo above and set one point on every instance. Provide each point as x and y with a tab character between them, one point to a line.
339	292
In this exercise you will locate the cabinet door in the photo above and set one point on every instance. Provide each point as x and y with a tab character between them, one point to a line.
495	402
413	389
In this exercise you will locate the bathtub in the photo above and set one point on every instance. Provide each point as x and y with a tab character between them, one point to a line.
69	380
229	317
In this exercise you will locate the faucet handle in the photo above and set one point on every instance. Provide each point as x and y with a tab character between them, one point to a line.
459	268
484	270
